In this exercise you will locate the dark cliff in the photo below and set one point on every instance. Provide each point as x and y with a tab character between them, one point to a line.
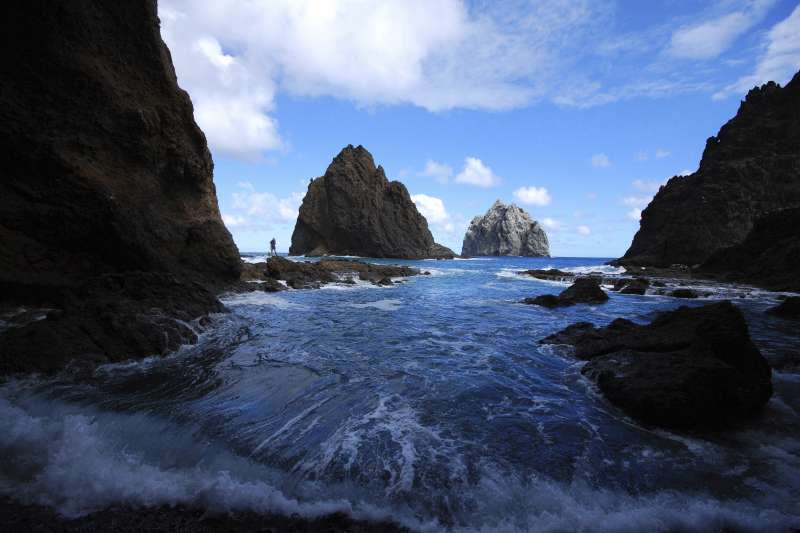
750	169
354	210
109	223
104	168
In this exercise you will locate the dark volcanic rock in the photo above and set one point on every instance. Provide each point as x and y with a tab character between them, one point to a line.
583	291
108	210
505	230
683	293
110	318
632	285
769	257
751	168
312	275
354	210
104	168
689	368
789	308
551	274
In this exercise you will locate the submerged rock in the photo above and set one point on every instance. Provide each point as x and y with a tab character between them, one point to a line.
505	230
788	308
689	368
584	291
354	210
747	171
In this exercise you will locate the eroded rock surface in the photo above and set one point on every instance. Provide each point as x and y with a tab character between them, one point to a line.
584	291
505	230
354	210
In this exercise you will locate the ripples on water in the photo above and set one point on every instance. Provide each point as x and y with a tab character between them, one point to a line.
429	402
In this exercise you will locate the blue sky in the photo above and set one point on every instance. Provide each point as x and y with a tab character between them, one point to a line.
575	110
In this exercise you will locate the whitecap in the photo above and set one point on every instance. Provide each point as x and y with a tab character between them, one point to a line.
383	305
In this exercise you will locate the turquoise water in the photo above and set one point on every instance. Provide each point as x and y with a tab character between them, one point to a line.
429	402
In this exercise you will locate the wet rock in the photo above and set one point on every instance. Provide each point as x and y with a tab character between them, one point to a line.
632	286
551	274
505	230
354	210
110	318
689	368
584	290
312	275
683	293
788	308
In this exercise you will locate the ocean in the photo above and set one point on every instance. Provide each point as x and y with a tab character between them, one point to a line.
429	402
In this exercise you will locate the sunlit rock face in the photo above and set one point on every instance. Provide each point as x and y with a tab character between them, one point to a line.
505	230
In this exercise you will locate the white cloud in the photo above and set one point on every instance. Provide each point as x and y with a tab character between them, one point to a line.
475	172
600	160
432	208
685	172
583	230
637	201
232	221
533	195
709	39
779	61
439	171
661	153
267	207
552	224
634	214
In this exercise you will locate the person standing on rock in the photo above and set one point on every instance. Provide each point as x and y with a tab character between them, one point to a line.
272	250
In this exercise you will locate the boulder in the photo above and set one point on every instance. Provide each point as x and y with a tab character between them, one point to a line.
354	210
683	293
747	171
551	274
312	275
584	291
689	368
632	285
505	230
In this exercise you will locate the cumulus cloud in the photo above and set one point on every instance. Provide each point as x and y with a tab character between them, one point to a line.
232	221
600	160
583	230
476	173
779	61
661	153
634	214
438	171
552	224
647	186
265	206
432	208
533	195
637	201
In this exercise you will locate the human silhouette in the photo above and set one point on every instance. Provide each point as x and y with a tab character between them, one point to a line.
272	250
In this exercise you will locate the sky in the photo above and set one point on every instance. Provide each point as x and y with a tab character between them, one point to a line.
575	110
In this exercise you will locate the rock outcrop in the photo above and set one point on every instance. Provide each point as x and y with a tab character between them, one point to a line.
768	257
585	290
354	210
108	211
689	368
505	230
750	169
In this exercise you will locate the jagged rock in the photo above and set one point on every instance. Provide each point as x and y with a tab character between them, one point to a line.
748	170
354	210
689	368
788	308
551	274
584	291
105	173
632	285
769	257
505	230
312	275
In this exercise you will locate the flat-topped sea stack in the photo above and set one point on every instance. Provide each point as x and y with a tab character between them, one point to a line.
354	210
750	170
505	230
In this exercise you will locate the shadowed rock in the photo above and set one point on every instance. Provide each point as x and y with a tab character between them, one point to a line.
689	368
583	291
505	230
354	210
683	293
750	169
312	275
789	308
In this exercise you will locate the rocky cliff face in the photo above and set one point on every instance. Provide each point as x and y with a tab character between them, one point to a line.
505	230
108	212
751	168
354	210
104	169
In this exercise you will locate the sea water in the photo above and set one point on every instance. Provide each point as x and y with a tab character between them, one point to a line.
429	402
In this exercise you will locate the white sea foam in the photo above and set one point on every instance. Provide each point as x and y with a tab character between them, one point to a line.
260	298
602	269
383	305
